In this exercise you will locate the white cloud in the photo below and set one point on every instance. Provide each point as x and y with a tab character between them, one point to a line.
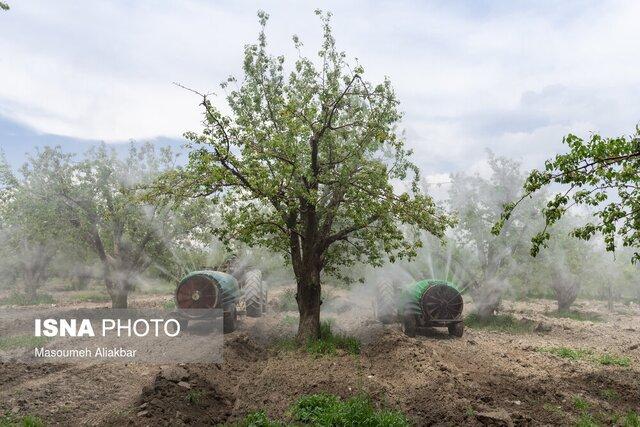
511	77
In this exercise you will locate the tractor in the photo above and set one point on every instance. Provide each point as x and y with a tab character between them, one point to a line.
210	289
420	305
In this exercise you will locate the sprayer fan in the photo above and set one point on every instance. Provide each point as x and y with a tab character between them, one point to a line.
197	291
442	302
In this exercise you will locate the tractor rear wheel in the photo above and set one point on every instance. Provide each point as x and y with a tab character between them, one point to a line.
254	293
456	329
409	324
385	302
265	298
229	319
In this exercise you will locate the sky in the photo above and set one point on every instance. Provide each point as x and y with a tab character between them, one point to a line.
472	76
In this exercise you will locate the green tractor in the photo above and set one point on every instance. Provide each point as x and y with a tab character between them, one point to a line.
202	291
420	305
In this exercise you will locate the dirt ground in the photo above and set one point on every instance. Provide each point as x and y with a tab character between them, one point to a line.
484	378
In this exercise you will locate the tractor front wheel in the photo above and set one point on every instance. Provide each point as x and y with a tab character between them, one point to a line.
409	324
456	329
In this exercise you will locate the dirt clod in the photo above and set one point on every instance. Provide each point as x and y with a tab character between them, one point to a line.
174	373
495	418
543	327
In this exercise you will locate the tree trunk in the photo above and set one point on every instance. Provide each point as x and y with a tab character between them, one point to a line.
119	299
118	293
566	292
564	305
309	300
31	284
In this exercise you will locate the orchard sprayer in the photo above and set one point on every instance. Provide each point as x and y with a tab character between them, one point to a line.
201	292
420	305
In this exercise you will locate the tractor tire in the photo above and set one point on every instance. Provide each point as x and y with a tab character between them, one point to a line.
456	329
229	319
254	293
265	298
385	302
409	324
182	323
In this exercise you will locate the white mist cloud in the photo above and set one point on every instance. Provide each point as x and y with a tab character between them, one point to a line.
514	77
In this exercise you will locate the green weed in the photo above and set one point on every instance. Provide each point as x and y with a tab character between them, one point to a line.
580	404
194	397
611	360
586	420
576	315
329	342
567	353
285	344
498	323
583	354
21	341
26	421
555	409
609	394
91	297
631	419
327	345
22	299
169	305
329	410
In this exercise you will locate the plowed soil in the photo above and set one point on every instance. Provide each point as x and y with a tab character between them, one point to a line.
484	378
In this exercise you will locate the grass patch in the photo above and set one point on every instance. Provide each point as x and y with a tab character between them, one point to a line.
21	341
287	301
631	419
329	410
576	315
194	397
554	409
499	323
290	320
327	345
91	297
586	420
329	342
584	354
17	298
567	353
609	394
169	305
611	360
285	344
26	421
580	404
